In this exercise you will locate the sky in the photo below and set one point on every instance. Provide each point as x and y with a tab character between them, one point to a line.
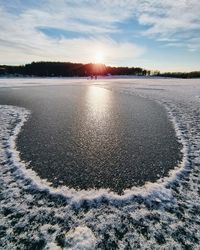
154	34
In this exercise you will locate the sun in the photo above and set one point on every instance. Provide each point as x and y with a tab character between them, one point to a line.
99	57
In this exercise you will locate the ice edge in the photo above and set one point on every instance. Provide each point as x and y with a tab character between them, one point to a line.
159	190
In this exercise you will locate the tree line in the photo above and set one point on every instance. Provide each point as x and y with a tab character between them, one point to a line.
193	74
68	69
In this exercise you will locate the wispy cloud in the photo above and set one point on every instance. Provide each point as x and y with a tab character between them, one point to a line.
21	36
23	25
171	20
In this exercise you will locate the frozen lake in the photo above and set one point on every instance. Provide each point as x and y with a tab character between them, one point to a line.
163	213
91	137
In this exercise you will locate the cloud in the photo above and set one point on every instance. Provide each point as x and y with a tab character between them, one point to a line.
22	36
193	44
171	20
22	40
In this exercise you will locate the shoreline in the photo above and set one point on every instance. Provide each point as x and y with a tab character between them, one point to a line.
154	189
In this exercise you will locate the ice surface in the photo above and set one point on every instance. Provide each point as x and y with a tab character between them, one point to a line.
159	215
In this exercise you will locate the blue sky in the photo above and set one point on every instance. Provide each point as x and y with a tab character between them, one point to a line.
154	34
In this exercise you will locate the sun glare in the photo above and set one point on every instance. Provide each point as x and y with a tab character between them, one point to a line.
99	57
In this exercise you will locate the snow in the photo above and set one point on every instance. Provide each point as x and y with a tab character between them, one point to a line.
165	213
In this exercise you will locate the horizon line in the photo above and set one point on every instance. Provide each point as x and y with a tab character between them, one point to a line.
144	68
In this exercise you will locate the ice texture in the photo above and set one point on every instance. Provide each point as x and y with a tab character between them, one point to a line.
161	215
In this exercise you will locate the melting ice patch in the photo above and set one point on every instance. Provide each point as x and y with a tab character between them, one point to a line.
164	215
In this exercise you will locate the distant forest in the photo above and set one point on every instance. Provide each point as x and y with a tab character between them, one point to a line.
67	69
193	74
